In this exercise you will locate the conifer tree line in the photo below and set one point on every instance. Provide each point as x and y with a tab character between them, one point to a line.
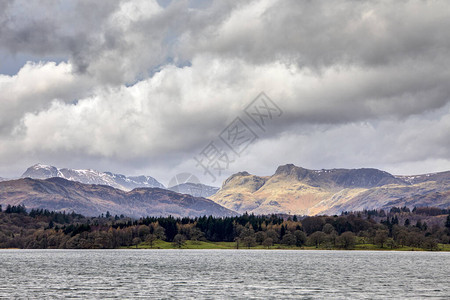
424	227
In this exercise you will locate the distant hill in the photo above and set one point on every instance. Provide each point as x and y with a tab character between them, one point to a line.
442	178
88	176
195	189
296	190
59	194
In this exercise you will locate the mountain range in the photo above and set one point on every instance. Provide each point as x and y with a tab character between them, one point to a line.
59	194
290	190
300	191
88	176
119	181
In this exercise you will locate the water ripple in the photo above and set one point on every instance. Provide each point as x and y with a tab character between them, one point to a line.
212	274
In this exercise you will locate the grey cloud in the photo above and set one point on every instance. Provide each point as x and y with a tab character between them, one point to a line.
315	34
417	145
333	67
103	40
322	33
51	28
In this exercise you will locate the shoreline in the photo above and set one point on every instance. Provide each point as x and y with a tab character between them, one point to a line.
190	245
241	249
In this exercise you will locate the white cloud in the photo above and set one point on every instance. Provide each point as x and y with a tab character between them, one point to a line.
35	86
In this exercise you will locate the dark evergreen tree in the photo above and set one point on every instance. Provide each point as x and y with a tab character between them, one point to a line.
407	222
282	232
419	224
395	220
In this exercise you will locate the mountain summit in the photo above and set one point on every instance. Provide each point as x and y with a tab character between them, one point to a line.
301	191
88	176
346	178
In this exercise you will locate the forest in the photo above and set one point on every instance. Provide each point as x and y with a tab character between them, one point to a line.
424	228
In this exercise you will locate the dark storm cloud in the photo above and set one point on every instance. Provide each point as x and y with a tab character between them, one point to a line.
71	28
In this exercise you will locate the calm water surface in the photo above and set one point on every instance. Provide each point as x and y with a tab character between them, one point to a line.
87	274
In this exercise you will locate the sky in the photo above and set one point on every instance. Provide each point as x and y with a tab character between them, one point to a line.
212	88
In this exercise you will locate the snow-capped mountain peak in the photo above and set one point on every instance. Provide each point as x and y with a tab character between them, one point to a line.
41	171
89	176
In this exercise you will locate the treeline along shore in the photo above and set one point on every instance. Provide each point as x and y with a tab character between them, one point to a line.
424	228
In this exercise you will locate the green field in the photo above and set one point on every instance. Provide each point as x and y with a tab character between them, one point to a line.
159	244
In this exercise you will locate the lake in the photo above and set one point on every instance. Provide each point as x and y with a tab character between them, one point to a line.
203	274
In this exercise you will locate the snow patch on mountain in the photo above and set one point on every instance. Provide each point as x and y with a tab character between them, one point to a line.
89	176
